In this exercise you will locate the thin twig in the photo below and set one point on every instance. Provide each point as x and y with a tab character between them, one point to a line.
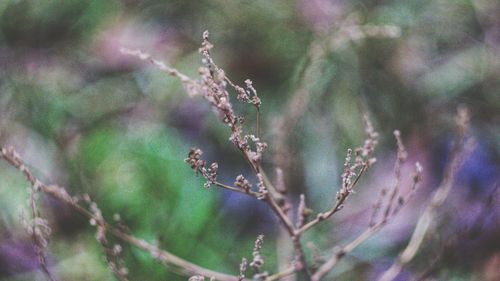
232	188
438	198
39	229
166	258
375	226
340	253
287	272
337	207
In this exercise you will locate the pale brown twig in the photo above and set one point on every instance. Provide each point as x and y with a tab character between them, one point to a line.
39	228
162	256
325	215
437	199
341	252
212	86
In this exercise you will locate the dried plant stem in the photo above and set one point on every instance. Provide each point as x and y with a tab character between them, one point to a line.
300	257
232	188
166	258
38	227
277	196
341	252
282	274
281	215
213	87
36	238
438	198
159	64
337	207
285	253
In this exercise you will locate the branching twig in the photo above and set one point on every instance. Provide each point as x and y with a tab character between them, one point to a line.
437	199
59	193
352	173
39	228
212	86
389	212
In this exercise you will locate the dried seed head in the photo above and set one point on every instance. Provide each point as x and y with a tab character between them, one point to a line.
243	183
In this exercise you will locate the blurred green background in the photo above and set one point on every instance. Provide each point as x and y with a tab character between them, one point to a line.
86	117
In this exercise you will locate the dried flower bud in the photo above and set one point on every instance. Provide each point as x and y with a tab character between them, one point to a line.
243	268
258	260
117	249
210	174
243	183
262	188
194	159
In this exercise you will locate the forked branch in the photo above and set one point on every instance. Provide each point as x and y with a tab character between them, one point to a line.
424	222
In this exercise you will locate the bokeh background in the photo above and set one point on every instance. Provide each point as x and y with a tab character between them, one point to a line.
86	117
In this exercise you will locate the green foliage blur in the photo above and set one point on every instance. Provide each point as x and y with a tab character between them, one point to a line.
86	117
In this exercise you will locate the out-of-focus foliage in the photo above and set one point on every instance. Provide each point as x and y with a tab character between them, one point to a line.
89	118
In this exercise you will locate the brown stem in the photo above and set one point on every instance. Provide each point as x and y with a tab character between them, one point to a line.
337	207
340	253
438	198
166	258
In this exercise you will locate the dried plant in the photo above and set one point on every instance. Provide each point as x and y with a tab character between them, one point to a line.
437	199
216	88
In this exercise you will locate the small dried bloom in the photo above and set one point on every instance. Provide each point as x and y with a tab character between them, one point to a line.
258	260
205	45
224	106
210	174
123	271
40	230
248	95
242	94
348	174
243	268
236	138
402	154
194	159
372	140
243	183
199	166
255	98
262	192
196	278
117	249
260	147
362	160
